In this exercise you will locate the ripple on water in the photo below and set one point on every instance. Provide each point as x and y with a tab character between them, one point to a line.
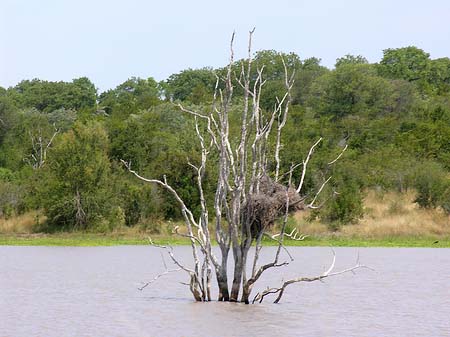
92	291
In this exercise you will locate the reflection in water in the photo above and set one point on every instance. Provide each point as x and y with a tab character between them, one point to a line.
92	291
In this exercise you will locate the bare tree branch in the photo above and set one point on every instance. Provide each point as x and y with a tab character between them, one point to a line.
40	147
311	204
328	273
339	156
305	164
293	235
289	82
246	200
167	271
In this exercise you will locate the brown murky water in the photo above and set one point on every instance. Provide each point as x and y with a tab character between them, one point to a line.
79	291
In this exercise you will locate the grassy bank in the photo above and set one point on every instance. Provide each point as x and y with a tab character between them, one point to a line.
81	239
391	220
78	239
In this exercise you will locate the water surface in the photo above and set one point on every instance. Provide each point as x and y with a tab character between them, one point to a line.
92	291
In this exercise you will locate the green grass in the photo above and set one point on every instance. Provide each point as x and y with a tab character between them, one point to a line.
84	239
341	241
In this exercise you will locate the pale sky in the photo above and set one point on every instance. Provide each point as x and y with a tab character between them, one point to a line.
110	41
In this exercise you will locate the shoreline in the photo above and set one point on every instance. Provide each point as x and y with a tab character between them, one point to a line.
117	239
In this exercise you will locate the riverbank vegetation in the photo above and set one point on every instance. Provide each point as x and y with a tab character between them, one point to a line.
391	220
61	144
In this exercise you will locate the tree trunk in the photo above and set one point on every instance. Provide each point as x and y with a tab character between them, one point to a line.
237	279
240	176
246	290
222	278
222	281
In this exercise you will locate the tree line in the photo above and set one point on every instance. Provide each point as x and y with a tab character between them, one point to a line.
61	142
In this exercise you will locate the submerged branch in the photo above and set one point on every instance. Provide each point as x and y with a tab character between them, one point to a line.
167	271
328	273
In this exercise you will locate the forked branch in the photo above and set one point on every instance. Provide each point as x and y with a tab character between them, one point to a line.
195	285
293	235
305	165
247	201
167	271
40	147
328	273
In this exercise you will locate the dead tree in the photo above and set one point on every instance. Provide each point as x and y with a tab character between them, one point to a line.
247	199
40	146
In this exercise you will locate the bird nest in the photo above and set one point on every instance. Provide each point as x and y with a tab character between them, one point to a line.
262	209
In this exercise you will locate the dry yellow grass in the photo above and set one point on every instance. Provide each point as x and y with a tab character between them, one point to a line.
309	228
387	214
21	224
395	214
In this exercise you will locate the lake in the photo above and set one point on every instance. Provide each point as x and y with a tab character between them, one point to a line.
92	291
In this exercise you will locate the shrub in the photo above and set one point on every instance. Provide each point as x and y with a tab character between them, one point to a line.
444	200
344	208
75	189
431	182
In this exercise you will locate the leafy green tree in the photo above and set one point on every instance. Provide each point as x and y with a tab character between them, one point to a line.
159	142
142	205
350	59
352	89
131	96
82	94
426	140
272	61
193	85
75	191
62	119
345	197
47	96
7	116
273	64
405	97
411	64
439	76
305	76
431	183
22	143
414	65
408	63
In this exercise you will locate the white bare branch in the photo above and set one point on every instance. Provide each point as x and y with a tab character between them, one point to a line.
40	147
275	238
293	235
169	250
289	82
339	156
311	204
305	164
328	273
167	271
246	200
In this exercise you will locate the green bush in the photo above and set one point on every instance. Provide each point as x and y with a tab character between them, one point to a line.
6	174
343	201
75	186
431	182
444	200
11	198
344	208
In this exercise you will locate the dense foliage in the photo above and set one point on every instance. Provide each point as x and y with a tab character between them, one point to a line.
61	142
